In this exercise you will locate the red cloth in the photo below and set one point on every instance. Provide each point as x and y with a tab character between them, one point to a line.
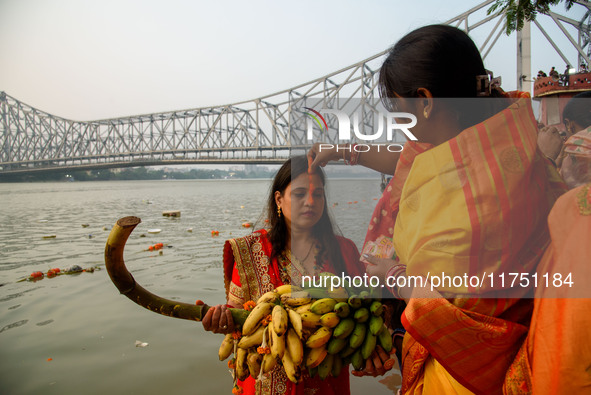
249	272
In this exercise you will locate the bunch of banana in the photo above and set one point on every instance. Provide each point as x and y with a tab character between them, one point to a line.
289	328
272	334
344	332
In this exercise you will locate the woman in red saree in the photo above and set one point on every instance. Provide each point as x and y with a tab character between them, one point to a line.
300	241
469	198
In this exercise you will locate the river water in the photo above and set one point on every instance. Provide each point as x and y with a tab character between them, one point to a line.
75	334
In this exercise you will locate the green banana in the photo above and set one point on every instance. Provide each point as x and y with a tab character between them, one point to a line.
356	338
325	367
365	298
354	301
344	328
323	306
385	339
336	345
342	309
369	344
337	366
357	360
347	351
361	315
376	324
376	308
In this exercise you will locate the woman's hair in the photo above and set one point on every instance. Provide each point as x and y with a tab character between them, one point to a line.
579	111
323	230
444	60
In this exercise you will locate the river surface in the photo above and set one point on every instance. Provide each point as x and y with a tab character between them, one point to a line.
75	334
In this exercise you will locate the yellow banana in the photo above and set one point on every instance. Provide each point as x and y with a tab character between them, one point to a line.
323	306
319	338
329	320
279	320
253	361
296	322
316	356
241	367
294	346
283	289
291	369
297	298
252	340
303	308
226	347
270	297
277	344
253	320
269	362
310	320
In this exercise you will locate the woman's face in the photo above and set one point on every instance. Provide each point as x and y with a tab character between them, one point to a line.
302	202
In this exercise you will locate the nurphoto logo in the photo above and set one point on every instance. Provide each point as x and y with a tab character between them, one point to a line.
388	122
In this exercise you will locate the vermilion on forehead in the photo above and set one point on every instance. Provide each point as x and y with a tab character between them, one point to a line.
303	181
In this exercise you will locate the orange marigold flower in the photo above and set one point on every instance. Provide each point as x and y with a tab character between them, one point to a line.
267	320
264	350
232	363
236	335
237	390
248	306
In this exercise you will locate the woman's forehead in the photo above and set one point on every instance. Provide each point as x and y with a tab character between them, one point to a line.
304	180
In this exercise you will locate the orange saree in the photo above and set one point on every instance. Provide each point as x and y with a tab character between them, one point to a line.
249	272
556	355
474	205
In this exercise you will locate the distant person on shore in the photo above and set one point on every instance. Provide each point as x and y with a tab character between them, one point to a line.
300	241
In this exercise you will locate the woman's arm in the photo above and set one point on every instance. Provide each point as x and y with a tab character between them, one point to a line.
377	157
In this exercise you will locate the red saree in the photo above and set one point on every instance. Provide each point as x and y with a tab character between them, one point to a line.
249	272
475	204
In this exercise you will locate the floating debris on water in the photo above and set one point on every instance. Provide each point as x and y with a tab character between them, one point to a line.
215	233
42	221
189	229
105	228
38	275
49	236
13	325
140	344
173	213
154	231
155	247
247	224
85	225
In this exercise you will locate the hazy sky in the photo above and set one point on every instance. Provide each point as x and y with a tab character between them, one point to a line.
87	60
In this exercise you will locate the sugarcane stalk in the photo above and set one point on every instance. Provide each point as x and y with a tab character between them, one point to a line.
127	285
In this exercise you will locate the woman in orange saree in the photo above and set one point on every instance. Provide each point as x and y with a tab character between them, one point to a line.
469	200
300	240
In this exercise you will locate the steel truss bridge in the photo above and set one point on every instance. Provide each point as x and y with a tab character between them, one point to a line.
267	129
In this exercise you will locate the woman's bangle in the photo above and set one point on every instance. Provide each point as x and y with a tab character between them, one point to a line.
394	272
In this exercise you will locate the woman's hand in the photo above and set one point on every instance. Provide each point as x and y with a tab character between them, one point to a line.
550	141
378	267
218	319
320	154
378	363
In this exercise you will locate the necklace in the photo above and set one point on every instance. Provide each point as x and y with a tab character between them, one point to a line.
308	254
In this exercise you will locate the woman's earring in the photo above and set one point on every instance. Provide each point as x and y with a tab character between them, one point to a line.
279	211
426	113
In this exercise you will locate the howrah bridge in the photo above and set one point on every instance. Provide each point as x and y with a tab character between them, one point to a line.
265	130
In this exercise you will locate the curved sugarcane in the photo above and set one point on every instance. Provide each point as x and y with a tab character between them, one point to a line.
127	285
